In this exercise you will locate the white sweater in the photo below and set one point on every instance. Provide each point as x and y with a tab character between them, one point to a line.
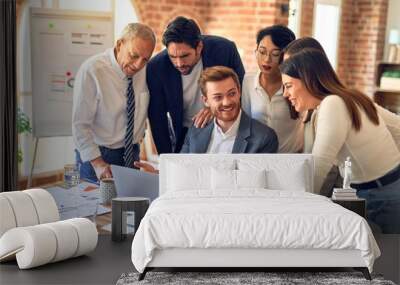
373	149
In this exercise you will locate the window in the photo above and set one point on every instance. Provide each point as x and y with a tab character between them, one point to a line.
326	26
295	16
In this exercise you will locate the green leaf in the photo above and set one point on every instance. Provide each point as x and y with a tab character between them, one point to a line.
23	122
19	156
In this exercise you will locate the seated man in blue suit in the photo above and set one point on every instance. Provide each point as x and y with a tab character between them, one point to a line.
172	79
232	130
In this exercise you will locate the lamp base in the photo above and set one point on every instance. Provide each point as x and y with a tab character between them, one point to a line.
393	54
397	59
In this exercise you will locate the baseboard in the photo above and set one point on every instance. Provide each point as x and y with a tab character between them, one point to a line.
41	179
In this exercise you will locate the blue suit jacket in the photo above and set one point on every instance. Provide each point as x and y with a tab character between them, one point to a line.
252	137
165	86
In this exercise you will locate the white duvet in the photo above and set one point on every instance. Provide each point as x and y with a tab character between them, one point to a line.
250	219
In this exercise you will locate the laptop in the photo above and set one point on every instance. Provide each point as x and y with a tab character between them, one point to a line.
131	182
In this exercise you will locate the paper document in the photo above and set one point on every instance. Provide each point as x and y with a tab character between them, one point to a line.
82	200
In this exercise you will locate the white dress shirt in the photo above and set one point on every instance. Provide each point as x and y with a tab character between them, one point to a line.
372	149
221	142
273	112
192	102
99	105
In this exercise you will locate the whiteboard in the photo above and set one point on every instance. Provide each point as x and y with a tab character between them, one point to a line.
61	40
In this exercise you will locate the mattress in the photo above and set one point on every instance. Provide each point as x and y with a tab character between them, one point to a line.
250	219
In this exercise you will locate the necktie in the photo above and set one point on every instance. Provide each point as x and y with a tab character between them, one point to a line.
130	111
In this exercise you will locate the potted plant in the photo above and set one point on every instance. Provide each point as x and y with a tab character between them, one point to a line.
23	126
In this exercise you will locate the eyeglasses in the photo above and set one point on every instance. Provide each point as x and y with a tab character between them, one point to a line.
274	54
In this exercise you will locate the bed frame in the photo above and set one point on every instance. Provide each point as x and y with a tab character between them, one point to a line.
241	259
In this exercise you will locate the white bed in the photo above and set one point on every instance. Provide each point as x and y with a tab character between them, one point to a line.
221	211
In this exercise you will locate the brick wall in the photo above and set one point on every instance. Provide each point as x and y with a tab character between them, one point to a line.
238	20
361	39
307	15
345	40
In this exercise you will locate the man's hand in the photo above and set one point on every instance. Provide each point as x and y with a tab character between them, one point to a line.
102	168
145	166
202	118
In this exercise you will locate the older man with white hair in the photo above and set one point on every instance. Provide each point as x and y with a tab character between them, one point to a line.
110	103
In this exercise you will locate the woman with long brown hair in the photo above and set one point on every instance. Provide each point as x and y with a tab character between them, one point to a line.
347	125
301	44
333	178
391	119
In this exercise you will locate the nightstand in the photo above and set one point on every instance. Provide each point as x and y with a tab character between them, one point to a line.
387	96
120	207
357	205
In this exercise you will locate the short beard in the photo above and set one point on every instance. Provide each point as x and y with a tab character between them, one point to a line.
192	67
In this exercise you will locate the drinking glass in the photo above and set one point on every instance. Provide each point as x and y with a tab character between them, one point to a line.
71	175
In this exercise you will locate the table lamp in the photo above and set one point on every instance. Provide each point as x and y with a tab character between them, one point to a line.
394	51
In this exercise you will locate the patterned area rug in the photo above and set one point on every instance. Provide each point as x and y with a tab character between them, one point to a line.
244	278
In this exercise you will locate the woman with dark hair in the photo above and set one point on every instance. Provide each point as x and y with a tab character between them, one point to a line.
348	125
308	118
262	92
300	44
333	178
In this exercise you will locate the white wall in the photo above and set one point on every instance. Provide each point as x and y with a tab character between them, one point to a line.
53	153
393	22
124	14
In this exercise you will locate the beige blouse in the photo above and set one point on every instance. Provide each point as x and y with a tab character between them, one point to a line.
373	149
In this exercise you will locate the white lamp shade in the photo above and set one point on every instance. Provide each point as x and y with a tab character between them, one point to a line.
394	37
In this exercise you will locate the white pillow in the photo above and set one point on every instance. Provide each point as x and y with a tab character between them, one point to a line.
293	179
251	179
183	177
223	179
188	176
282	174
